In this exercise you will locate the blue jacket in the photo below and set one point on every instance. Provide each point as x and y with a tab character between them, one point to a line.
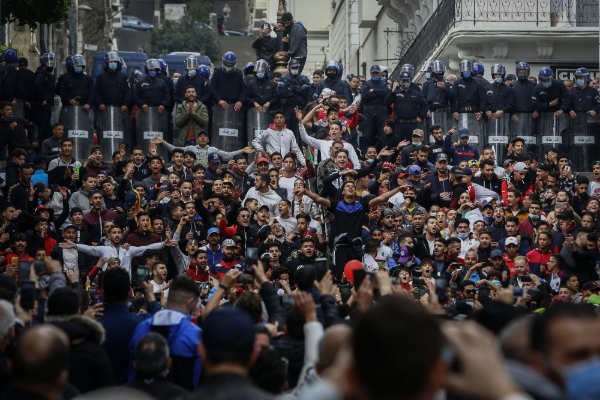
120	324
183	337
438	98
523	94
468	93
340	87
378	96
542	97
460	153
293	90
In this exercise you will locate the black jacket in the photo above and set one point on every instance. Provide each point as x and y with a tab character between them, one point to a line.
76	85
228	386
20	137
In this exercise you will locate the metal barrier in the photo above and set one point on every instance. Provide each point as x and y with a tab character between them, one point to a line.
79	127
498	135
553	133
149	125
256	124
523	125
476	129
113	130
583	130
442	119
227	129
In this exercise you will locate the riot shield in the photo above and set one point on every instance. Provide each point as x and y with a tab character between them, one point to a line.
149	125
441	118
21	111
174	125
113	130
257	123
552	134
476	129
79	127
498	135
583	150
227	129
523	125
55	115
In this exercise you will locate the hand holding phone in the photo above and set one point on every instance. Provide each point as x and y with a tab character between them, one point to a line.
142	275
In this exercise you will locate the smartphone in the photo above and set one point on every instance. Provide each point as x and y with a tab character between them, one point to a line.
27	295
24	271
75	170
519	293
250	259
321	267
567	168
425	170
560	204
157	297
39	266
484	293
288	301
359	276
94	296
453	287
142	274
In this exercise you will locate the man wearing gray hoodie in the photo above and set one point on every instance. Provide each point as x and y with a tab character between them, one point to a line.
296	38
81	198
263	193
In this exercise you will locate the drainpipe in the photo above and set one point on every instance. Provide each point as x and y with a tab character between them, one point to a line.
347	52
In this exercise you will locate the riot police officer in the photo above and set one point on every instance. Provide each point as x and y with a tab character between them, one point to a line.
551	95
499	96
333	81
111	87
410	108
28	79
427	69
293	89
44	95
227	83
151	91
12	85
68	68
583	98
470	96
436	91
411	71
249	72
374	106
77	88
261	92
133	80
478	72
523	89
164	75
191	78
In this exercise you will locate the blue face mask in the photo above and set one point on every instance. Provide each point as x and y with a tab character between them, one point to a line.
427	76
192	73
152	74
536	217
112	66
78	70
580	82
498	80
415	144
260	76
546	85
581	379
463	236
369	160
497	283
487	220
375	78
175	80
466	74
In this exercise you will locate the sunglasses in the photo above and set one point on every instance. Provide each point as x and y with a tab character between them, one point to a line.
469	291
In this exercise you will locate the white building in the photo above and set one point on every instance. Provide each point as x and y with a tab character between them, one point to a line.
562	34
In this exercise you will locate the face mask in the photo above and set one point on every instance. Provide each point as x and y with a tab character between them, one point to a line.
439	77
487	220
375	78
433	214
405	85
78	70
522	78
369	160
417	144
192	72
175	80
260	76
227	69
546	85
466	74
112	66
152	74
427	76
50	69
581	379
497	81
463	236
580	82
410	198
294	71
331	75
534	216
497	283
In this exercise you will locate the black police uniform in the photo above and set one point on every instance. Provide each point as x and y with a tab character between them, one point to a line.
111	89
470	96
44	87
499	97
338	85
292	91
374	108
227	86
542	97
583	100
12	85
408	106
152	92
523	92
77	85
28	95
439	100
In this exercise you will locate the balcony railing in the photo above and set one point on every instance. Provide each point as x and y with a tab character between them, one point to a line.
506	14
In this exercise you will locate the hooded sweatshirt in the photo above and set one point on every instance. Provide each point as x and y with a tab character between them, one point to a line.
270	199
80	199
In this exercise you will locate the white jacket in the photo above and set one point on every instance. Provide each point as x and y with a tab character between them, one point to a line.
282	141
270	199
324	146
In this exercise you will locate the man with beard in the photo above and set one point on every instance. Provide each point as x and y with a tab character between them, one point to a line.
438	187
519	180
411	207
18	194
92	221
306	256
278	234
159	278
488	178
115	235
425	244
142	236
263	193
227	262
581	195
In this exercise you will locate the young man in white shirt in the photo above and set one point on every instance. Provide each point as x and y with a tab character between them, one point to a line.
159	278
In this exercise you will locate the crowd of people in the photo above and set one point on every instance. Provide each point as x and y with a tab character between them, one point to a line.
345	253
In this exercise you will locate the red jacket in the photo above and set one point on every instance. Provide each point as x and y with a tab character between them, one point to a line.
139	239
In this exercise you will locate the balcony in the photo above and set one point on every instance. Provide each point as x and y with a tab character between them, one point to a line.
497	15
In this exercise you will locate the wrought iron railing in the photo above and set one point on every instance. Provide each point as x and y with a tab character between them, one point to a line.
496	13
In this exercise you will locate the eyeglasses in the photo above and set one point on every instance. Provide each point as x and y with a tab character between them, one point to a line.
469	291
